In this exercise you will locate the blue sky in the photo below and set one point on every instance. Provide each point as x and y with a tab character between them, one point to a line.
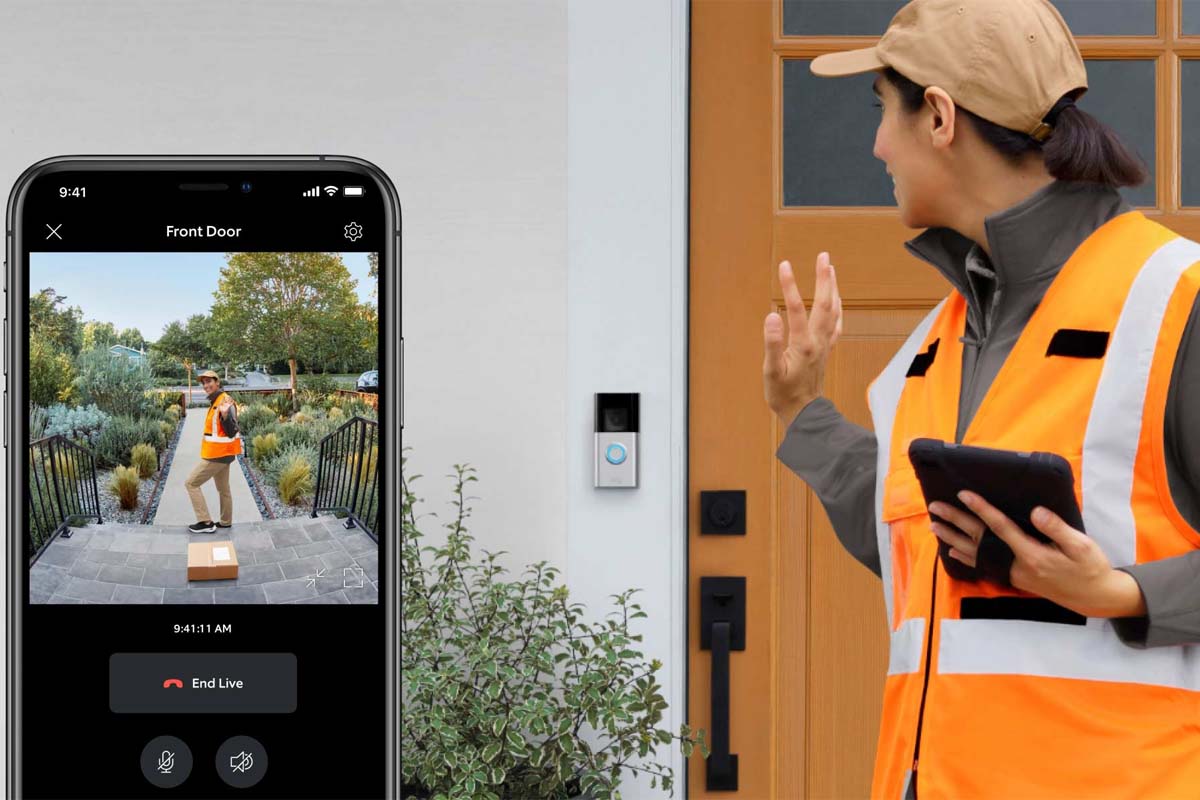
147	291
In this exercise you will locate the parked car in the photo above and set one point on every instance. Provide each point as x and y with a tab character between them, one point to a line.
368	382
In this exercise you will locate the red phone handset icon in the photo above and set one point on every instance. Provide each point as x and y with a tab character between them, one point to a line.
178	684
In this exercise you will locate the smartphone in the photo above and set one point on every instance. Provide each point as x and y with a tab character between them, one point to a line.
202	426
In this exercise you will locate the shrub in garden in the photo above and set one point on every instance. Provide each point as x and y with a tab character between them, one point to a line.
115	384
168	430
320	385
80	424
292	433
301	418
273	466
50	372
505	692
354	407
124	485
264	446
335	412
295	479
64	465
172	413
255	417
38	419
144	459
115	443
281	404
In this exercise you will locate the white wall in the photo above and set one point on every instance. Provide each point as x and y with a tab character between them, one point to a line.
627	320
538	149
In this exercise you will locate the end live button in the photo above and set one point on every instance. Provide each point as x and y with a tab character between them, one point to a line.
202	683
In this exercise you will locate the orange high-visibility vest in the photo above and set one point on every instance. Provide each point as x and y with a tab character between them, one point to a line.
1021	703
215	443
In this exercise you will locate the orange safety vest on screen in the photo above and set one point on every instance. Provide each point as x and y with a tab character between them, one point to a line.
1015	705
215	443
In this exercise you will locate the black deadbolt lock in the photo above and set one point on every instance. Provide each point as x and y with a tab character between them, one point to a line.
723	512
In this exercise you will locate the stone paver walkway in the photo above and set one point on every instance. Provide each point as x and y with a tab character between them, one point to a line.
292	560
174	507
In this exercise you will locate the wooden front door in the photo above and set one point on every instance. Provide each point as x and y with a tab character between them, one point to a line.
782	168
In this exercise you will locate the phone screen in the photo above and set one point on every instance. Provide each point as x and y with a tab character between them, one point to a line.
201	418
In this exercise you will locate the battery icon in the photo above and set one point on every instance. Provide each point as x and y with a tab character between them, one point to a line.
352	191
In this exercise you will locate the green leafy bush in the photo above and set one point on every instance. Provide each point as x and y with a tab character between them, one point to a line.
320	385
295	433
168	429
280	403
38	420
264	446
144	458
80	424
273	467
172	413
500	680
355	407
124	485
255	417
51	374
295	479
115	443
117	385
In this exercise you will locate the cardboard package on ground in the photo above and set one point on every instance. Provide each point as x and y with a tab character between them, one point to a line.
211	561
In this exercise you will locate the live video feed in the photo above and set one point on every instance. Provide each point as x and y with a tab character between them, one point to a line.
203	428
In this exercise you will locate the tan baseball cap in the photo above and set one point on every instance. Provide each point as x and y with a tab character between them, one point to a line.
1008	61
208	373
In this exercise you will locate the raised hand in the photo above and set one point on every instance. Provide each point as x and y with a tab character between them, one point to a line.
794	373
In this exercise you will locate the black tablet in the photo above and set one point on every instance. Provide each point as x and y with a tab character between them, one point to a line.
1012	481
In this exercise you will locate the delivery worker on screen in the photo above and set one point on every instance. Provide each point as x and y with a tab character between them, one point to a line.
1073	669
218	449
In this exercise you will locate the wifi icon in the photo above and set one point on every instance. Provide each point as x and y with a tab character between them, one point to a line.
331	190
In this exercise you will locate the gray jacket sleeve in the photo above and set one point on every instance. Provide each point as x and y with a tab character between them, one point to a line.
1171	587
837	459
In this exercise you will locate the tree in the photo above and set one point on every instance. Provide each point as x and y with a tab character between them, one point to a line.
57	323
51	373
281	305
132	337
99	334
187	344
373	272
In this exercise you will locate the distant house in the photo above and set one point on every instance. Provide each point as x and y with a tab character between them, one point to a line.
136	356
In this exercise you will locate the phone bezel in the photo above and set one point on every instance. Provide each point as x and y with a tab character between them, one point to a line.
391	405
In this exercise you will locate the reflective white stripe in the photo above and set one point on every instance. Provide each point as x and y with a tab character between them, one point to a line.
1094	651
1055	650
883	399
1111	442
904	655
208	438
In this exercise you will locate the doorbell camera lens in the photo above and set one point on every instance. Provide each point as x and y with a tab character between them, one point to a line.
616	419
246	186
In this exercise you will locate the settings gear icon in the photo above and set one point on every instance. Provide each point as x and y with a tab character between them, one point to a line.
354	231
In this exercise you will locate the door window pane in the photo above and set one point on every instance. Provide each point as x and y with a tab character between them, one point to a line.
829	127
871	17
1121	94
1191	17
828	137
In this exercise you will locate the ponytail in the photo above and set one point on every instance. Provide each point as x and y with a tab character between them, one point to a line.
1080	148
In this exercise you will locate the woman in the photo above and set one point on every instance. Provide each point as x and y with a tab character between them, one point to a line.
1072	669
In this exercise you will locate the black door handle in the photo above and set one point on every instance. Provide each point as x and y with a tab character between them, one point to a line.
723	628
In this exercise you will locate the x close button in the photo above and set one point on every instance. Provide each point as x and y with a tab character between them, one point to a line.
54	231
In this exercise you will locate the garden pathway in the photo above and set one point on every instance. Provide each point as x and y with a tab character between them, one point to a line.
174	507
